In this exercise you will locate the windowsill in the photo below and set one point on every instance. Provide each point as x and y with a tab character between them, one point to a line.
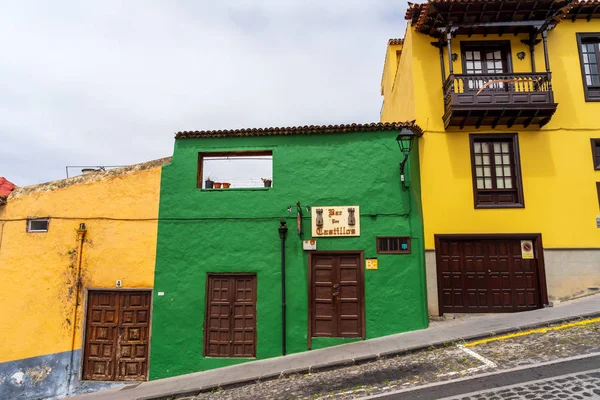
257	189
480	207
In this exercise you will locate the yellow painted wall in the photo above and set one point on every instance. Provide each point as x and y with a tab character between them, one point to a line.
38	270
559	182
399	104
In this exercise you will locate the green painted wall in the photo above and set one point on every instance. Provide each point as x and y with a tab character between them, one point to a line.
237	231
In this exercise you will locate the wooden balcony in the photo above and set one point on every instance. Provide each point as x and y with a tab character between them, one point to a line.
498	100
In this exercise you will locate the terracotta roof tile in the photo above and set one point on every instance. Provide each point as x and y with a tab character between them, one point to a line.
6	187
302	130
418	14
392	42
587	9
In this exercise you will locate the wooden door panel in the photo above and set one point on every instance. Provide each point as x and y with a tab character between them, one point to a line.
117	336
230	316
134	332
487	275
244	318
100	344
324	321
336	296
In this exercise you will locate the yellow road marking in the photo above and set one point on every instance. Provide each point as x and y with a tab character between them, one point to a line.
532	331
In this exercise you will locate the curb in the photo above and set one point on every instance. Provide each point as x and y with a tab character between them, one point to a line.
364	359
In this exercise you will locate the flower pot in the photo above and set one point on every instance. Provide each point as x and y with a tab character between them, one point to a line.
267	183
217	185
208	184
226	185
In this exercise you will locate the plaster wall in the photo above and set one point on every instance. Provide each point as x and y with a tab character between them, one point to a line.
236	230
38	288
559	181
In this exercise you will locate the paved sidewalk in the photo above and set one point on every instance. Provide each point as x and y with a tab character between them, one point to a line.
347	354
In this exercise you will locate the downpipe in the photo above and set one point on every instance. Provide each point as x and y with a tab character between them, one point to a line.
282	235
81	236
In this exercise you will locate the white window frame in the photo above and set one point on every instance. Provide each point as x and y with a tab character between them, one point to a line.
30	220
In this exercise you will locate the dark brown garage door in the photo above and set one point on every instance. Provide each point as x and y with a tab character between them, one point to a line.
487	275
336	298
230	316
117	336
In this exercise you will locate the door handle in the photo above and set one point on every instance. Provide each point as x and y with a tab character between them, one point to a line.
336	294
489	271
336	286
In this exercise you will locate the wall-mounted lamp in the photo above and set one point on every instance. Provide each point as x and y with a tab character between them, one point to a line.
454	57
405	142
521	55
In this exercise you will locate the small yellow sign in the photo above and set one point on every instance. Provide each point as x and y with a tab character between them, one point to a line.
372	263
527	249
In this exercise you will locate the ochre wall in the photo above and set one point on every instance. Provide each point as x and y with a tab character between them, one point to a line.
559	182
38	285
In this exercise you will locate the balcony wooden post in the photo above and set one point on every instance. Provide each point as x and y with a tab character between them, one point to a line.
450	62
532	51
442	64
545	41
449	38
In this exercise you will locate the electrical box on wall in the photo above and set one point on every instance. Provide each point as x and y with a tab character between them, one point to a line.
309	244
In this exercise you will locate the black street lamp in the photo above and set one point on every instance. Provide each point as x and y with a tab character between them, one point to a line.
405	141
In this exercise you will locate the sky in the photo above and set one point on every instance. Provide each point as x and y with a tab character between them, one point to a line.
110	82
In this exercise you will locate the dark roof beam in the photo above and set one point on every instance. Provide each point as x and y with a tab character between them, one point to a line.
531	13
550	10
589	17
530	120
536	24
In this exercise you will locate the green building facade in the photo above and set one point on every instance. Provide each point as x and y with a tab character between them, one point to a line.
218	280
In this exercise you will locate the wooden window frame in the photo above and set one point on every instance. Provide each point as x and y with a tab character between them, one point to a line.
29	220
513	139
598	190
595	153
502	45
581	37
399	251
242	153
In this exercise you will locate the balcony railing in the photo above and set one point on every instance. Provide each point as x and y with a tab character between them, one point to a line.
493	99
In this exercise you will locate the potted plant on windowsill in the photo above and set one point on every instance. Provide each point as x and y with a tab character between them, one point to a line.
208	183
226	185
267	182
217	185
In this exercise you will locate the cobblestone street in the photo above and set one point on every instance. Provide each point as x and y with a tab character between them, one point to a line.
574	386
434	365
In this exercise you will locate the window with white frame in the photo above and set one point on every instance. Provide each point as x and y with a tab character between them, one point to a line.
37	224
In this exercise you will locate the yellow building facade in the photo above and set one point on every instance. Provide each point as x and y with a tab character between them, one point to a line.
527	233
65	245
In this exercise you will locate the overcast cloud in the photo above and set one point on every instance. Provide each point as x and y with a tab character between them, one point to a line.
110	82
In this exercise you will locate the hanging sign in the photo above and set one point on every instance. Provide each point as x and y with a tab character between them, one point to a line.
372	263
335	221
527	249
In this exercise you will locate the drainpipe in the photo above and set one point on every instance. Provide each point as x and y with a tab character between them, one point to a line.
282	234
81	237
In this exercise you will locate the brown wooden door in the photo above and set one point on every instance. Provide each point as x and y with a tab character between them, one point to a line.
230	316
336	298
117	336
486	275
